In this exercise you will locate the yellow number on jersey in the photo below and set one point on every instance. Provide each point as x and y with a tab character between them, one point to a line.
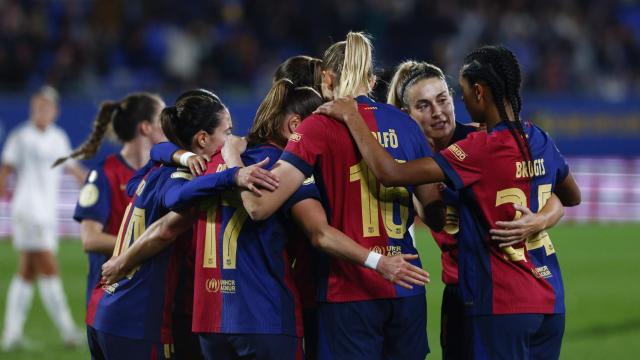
371	200
229	237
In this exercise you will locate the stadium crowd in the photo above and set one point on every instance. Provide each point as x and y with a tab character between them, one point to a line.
569	46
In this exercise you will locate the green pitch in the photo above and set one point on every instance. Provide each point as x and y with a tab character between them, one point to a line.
599	262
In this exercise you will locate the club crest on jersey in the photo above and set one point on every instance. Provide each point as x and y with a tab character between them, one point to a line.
88	195
295	136
457	152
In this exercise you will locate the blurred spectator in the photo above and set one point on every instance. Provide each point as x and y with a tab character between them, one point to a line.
568	46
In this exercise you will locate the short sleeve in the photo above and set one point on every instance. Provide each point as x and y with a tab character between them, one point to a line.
561	163
94	202
306	144
11	151
463	162
308	190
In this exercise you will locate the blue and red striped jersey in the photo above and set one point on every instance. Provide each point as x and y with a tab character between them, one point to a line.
493	175
375	216
446	239
140	305
103	199
243	280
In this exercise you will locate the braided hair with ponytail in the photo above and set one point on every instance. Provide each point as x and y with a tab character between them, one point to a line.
123	117
499	69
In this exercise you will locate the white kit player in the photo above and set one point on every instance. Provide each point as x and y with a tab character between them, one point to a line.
29	151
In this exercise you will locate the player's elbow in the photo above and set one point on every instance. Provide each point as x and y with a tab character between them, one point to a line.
256	211
320	239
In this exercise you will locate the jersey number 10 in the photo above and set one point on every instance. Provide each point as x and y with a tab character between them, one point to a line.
371	200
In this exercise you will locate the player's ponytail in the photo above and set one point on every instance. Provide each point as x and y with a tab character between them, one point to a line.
282	99
122	117
195	110
352	63
108	109
302	70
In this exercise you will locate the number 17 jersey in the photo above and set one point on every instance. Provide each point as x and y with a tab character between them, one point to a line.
373	215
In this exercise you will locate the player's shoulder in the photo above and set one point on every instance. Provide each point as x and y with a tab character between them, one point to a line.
258	153
21	129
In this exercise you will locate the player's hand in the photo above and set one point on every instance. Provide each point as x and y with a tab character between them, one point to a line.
399	271
113	270
251	176
512	232
341	109
233	147
198	164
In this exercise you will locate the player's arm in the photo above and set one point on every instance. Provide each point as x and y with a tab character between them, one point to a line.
260	207
511	232
568	191
94	239
5	171
311	216
384	167
430	207
153	240
170	154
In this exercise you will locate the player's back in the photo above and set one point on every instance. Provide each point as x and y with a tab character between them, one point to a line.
243	279
495	175
136	306
375	216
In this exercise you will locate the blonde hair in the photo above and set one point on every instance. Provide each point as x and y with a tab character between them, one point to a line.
282	99
352	63
407	74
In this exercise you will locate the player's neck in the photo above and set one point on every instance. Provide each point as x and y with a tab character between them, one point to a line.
136	152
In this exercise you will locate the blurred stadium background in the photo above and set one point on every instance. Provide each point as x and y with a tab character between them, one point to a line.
581	64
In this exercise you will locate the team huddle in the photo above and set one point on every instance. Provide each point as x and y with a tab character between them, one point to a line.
294	242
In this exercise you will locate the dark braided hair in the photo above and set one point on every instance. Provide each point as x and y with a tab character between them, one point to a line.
498	67
123	117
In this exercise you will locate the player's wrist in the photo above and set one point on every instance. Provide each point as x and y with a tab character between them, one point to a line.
372	260
184	158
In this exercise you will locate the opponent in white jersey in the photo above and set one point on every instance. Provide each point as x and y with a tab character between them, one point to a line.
29	151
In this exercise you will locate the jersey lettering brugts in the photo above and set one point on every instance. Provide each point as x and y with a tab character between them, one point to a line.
243	281
375	216
492	174
103	199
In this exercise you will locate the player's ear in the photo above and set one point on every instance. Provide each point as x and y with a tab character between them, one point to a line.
200	139
327	79
479	92
293	121
144	127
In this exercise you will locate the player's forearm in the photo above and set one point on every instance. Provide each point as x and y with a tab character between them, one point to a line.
377	158
339	245
551	212
102	243
185	193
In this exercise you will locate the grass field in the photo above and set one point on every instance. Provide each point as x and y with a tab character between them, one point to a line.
600	265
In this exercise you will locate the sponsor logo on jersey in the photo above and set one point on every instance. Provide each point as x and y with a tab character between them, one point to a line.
457	152
389	250
220	285
295	136
89	195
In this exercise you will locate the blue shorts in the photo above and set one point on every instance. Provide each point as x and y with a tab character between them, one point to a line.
250	346
310	340
376	329
453	341
518	336
105	346
186	343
